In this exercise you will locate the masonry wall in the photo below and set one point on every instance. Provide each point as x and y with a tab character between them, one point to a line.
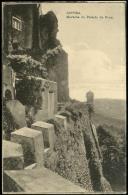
58	72
29	16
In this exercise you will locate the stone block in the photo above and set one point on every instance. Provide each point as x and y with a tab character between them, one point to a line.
32	166
12	156
40	181
47	132
61	120
32	143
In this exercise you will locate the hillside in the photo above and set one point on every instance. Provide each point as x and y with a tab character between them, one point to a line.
111	108
108	112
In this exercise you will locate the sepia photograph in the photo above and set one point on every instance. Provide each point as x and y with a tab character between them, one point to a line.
63	97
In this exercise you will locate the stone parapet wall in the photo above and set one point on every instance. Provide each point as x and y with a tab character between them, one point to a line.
70	151
39	181
28	145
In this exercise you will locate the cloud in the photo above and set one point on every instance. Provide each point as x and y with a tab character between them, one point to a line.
77	47
80	46
93	70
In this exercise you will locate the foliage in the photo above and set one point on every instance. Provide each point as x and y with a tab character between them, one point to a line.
97	177
27	66
69	156
29	91
113	150
75	156
51	53
112	142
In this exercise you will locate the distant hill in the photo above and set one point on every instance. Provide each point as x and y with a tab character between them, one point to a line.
109	118
110	112
110	108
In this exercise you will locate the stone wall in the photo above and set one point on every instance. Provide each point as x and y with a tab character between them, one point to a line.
29	37
41	95
65	145
58	72
68	158
57	64
8	80
27	146
27	14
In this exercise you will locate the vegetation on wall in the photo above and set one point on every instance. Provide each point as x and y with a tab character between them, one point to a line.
75	156
111	136
27	69
68	158
27	66
28	91
28	77
51	53
113	150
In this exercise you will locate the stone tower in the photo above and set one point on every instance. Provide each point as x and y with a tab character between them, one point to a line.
57	64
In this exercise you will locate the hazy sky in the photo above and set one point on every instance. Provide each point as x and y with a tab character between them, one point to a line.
96	47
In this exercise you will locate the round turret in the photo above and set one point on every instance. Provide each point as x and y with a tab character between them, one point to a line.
90	97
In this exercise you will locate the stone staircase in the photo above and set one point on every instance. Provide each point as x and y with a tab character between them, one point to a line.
23	161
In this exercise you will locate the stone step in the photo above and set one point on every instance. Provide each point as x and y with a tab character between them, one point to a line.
32	143
61	120
32	166
39	181
47	131
12	156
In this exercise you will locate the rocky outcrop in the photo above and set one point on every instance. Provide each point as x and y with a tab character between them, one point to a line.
57	64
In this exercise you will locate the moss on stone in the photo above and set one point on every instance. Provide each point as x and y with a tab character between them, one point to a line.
75	154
